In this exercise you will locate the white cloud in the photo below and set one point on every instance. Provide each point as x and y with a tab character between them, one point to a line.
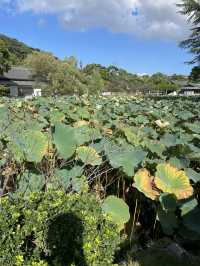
146	18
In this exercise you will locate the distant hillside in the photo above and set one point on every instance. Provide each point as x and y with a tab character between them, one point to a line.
109	78
18	49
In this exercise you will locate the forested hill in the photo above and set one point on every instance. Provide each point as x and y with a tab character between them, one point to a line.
17	49
69	75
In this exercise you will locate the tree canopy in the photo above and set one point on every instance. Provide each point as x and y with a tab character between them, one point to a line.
191	8
5	58
18	50
69	76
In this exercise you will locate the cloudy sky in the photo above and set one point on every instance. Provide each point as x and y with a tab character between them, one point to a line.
139	35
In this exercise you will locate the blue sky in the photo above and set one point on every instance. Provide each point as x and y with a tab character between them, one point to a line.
128	33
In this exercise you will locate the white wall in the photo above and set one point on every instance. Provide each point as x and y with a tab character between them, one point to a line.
37	92
13	91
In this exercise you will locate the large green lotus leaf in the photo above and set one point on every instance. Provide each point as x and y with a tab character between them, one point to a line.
35	145
88	156
193	148
4	117
83	113
141	119
56	116
179	163
64	179
65	176
3	113
33	125
171	180
128	159
168	202
193	175
80	184
30	182
155	147
64	139
86	134
188	206
16	150
185	115
132	137
117	209
169	140
194	127
168	221
150	132
144	183
100	146
192	220
30	145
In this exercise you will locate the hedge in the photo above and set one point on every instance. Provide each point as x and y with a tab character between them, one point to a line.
55	228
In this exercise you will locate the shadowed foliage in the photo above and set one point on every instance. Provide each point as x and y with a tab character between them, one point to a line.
64	240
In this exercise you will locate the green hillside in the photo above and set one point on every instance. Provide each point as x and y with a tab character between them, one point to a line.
18	49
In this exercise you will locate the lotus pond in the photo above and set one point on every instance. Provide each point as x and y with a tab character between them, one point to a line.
144	151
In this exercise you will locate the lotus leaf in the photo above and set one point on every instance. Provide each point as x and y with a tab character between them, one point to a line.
88	156
64	139
31	146
117	209
171	180
30	182
66	176
128	159
188	206
132	137
193	175
144	183
56	116
80	184
169	140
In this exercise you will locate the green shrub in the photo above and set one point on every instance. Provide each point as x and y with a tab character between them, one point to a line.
55	229
4	91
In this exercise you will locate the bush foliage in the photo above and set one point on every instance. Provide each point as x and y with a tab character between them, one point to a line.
55	229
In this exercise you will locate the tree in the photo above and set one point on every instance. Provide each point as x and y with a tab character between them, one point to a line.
162	82
191	8
67	79
42	65
95	83
195	74
5	58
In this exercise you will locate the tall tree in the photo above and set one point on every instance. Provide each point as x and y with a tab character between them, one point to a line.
95	83
67	79
195	74
191	8
42	64
5	58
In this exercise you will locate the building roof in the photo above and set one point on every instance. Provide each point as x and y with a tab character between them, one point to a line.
190	88
18	74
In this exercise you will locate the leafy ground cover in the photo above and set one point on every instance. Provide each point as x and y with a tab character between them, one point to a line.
145	151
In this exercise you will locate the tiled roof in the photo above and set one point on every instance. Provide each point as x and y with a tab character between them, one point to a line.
18	73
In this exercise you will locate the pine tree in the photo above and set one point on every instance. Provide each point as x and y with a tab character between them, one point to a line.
191	8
